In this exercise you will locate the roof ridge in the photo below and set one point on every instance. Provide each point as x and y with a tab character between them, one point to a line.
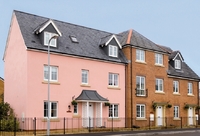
62	21
129	36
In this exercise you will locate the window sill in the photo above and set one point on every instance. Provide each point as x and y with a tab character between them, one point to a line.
190	95
51	120
159	92
141	119
141	62
113	87
114	119
76	116
177	94
51	82
176	119
85	85
159	65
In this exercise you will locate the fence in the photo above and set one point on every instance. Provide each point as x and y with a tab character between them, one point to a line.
38	126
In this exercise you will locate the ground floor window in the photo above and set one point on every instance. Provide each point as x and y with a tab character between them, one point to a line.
53	109
176	112
76	109
140	108
113	111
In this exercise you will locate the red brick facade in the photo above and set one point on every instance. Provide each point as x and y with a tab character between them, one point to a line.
151	71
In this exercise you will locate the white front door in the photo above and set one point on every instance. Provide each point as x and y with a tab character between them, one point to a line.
87	114
91	114
190	116
159	116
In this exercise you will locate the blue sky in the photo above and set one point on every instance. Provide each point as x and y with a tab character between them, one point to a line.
172	23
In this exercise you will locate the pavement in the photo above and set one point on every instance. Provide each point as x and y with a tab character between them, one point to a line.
140	133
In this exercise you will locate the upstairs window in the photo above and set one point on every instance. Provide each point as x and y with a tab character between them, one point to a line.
159	85
113	51
84	76
190	91
140	86
113	79
47	37
176	86
140	55
159	59
53	73
177	64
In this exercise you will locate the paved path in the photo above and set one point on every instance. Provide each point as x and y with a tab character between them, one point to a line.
171	132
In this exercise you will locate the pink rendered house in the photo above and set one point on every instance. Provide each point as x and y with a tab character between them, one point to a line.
86	65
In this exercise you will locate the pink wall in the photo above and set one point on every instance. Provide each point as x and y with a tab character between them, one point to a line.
15	67
69	79
26	91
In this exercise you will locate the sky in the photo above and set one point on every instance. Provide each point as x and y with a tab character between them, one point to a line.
172	23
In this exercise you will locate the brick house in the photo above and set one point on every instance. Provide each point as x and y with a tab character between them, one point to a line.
156	86
86	66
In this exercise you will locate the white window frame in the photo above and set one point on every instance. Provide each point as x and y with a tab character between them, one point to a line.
84	76
46	110
175	86
176	111
51	73
113	79
177	64
75	109
113	111
140	111
139	87
158	83
190	88
47	37
140	55
113	51
158	59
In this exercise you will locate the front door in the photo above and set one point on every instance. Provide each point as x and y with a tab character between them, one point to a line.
87	114
159	116
91	114
190	116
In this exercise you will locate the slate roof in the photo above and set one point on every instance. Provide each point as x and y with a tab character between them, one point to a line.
91	95
138	40
185	72
88	38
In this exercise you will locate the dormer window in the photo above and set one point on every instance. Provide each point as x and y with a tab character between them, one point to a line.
113	51
177	64
47	37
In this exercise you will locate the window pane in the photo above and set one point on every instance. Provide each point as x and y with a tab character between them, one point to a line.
46	37
110	111
45	109
75	109
115	110
46	73
53	73
53	109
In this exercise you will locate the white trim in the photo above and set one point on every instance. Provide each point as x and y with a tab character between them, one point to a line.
179	56
46	24
113	36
